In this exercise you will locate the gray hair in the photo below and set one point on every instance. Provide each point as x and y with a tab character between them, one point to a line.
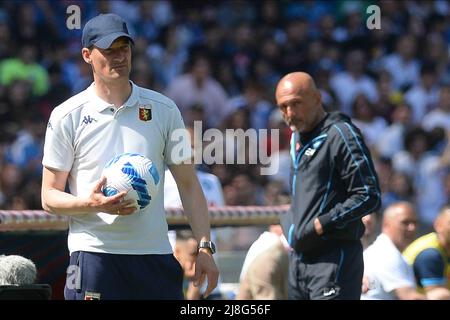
16	270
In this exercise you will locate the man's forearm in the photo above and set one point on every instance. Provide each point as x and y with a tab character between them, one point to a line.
409	293
356	206
196	210
63	203
438	294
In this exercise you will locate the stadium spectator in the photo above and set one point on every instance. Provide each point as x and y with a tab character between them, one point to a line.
423	97
391	140
264	274
429	257
253	101
388	97
198	86
25	68
439	117
366	119
403	65
401	188
186	251
371	229
424	169
352	81
274	194
167	57
389	275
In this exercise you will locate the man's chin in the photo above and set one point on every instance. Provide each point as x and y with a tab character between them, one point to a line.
120	70
118	75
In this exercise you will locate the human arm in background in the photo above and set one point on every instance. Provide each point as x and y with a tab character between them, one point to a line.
386	270
437	293
409	293
429	267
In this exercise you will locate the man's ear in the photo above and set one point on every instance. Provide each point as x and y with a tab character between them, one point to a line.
86	54
437	225
318	96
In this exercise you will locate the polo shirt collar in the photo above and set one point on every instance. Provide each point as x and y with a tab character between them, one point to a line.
134	97
100	104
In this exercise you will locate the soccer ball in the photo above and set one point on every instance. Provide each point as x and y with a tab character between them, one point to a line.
133	173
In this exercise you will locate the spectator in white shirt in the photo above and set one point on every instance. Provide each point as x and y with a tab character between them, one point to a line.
210	184
386	272
424	96
403	65
199	87
264	274
439	117
390	141
426	171
349	83
366	119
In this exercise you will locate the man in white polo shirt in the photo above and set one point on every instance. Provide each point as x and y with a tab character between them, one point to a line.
118	252
386	273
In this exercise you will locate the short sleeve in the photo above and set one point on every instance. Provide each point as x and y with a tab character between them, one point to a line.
58	147
429	268
212	189
178	143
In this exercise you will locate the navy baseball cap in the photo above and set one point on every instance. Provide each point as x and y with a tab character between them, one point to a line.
102	30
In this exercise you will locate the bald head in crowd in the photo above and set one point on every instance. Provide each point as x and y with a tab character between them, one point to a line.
442	227
186	252
400	224
299	101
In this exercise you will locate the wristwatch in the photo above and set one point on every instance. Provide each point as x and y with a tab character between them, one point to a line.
208	245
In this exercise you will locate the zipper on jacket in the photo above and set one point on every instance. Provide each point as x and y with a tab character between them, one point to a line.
296	163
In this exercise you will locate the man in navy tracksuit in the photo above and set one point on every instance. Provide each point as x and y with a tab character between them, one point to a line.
334	184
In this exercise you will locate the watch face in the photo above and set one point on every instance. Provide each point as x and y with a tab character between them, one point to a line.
209	245
213	247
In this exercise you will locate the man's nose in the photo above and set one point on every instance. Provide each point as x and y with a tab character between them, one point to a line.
119	55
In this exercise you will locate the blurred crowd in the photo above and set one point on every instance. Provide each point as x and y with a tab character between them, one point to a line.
220	62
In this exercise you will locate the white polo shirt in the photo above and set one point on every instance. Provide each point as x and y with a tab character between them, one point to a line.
83	134
212	189
386	270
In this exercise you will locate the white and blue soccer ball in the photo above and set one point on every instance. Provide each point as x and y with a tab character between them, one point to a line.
134	173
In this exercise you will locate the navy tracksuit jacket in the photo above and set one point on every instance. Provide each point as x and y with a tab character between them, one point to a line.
333	179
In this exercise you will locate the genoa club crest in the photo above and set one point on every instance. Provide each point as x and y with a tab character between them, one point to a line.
145	113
